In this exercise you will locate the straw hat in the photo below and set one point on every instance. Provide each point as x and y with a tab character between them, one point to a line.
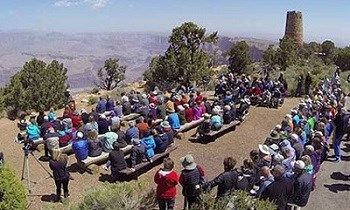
264	149
299	164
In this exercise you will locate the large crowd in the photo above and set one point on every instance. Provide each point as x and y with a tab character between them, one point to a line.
283	169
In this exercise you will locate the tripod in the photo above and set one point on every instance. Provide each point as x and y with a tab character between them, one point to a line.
25	169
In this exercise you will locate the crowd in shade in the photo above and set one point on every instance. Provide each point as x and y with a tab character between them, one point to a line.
283	169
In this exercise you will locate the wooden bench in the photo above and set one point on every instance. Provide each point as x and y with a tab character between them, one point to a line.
145	166
214	134
90	162
187	127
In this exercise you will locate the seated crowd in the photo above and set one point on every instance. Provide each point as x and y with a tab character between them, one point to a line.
283	170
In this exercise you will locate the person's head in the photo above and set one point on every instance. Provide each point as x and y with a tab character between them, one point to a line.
278	171
92	118
254	155
309	150
46	118
229	163
248	164
265	171
115	128
168	164
80	135
140	119
299	167
131	123
306	159
92	135
56	154
115	146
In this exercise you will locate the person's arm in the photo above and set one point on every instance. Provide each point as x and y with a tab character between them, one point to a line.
157	177
219	179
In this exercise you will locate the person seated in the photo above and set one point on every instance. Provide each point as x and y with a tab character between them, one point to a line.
68	133
45	126
108	140
132	132
101	106
142	125
188	113
115	120
33	131
227	117
51	139
40	118
109	104
168	131
94	144
181	113
161	110
205	127
138	153
52	115
161	139
92	125
216	120
173	119
84	116
197	111
116	162
103	124
148	142
118	109
152	111
126	105
80	147
136	106
121	136
76	119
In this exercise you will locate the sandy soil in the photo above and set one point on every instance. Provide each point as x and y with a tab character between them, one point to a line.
237	144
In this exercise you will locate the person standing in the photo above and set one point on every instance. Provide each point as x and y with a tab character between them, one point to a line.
58	165
166	179
302	184
227	180
308	81
341	122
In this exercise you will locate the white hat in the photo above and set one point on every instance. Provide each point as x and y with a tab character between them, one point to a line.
319	133
103	116
180	108
299	164
294	111
46	118
294	136
279	127
80	135
264	149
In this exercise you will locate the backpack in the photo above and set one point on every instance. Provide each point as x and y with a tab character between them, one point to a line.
68	135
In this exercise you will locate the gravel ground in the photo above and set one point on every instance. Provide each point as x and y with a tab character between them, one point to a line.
237	144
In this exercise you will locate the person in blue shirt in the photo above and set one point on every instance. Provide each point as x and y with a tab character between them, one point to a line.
109	104
173	119
216	120
101	105
148	142
80	147
132	132
33	131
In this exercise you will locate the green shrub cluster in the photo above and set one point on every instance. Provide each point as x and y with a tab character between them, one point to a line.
119	196
13	194
92	100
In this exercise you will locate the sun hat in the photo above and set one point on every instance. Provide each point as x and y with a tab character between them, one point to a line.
294	111
80	135
294	136
264	149
180	108
165	124
227	107
143	95
206	116
274	135
152	105
188	162
278	127
32	114
103	116
319	133
285	143
135	100
186	105
299	164
46	118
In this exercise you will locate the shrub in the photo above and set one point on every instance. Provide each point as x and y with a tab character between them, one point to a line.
13	194
92	100
119	196
95	90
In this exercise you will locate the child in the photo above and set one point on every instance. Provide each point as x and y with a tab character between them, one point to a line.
166	180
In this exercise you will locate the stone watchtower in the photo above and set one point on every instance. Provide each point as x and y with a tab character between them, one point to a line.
294	26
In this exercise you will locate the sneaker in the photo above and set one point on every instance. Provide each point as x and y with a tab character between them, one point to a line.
337	160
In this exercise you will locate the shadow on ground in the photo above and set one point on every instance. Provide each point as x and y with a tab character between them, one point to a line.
340	176
338	187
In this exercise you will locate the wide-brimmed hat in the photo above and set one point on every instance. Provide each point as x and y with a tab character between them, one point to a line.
294	136
206	116
264	149
274	135
180	108
319	133
299	164
188	162
152	105
186	105
227	107
103	116
32	114
165	124
170	110
279	127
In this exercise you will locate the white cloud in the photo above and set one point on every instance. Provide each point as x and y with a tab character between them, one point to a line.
95	4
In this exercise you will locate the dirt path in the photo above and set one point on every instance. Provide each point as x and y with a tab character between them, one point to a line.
237	144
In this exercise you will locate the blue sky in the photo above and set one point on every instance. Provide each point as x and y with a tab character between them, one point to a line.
323	19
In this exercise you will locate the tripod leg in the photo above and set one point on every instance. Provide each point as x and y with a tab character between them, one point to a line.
42	166
28	178
24	166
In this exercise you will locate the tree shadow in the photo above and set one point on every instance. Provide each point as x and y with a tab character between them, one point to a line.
340	176
337	187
